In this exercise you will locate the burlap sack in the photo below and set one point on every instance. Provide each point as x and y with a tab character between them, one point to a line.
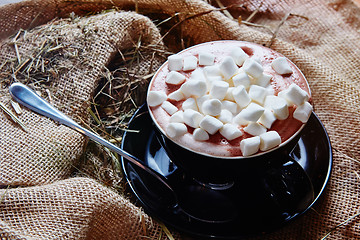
321	37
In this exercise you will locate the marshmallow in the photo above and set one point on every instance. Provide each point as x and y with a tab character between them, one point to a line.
253	68
240	120
198	74
252	113
175	63
278	106
211	107
155	98
229	96
175	78
225	116
174	129
238	55
194	88
189	63
269	140
302	112
190	103
231	106
219	89
295	94
263	80
281	66
256	59
169	107
200	134
206	58
228	67
249	146
257	94
255	129
176	95
241	97
230	131
212	71
210	124
241	79
177	117
267	119
210	81
192	118
200	101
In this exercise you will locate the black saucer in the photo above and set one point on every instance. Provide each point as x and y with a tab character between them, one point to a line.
253	204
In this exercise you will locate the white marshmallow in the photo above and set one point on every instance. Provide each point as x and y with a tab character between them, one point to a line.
219	89
200	101
256	59
194	88
278	106
263	80
175	78
176	95
177	117
228	67
198	74
249	146
281	66
174	129
169	107
229	96
185	90
155	98
213	70
255	129
225	116
211	107
240	120
190	63
252	113
241	97
200	134
238	55
210	81
267	119
192	118
210	124
190	103
302	112
282	95
230	106
206	58
230	131
258	94
175	63
242	79
253	68
295	94
269	140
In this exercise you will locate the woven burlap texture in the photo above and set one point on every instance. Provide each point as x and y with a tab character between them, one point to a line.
321	37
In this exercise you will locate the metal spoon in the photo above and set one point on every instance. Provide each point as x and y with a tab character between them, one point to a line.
27	97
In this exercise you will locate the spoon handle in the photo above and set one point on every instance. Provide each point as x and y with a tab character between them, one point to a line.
27	97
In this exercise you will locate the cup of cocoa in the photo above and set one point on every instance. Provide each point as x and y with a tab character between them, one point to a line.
224	107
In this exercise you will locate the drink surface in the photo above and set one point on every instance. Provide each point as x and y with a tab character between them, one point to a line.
217	145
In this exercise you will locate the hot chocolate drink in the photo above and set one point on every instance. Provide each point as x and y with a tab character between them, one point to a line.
229	99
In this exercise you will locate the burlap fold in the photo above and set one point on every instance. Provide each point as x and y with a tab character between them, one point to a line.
321	37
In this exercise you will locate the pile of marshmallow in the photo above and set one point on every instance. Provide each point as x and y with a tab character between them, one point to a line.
229	97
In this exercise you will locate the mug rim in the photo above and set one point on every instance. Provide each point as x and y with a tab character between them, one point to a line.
258	154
